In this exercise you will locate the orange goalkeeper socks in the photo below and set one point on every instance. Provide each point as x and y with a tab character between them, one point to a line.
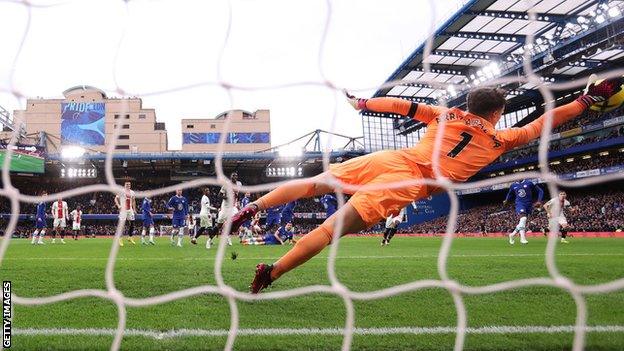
306	248
286	193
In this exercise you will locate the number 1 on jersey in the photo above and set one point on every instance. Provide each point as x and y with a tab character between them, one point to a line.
466	137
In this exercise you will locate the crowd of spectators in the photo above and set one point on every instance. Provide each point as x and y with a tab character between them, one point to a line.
103	202
589	212
563	144
591	163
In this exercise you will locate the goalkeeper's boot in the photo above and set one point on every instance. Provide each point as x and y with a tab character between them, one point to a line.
242	216
262	278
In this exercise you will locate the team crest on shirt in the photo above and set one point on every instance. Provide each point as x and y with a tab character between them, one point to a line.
497	143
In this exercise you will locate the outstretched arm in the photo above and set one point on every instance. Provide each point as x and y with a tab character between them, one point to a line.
276	235
514	137
508	197
547	206
420	112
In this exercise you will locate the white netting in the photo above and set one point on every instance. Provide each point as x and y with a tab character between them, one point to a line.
455	289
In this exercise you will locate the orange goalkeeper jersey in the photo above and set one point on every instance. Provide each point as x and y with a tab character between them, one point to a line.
469	142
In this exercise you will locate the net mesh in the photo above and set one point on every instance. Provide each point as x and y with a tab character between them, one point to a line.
454	288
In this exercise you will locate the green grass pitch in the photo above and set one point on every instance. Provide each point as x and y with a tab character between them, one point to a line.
362	266
24	163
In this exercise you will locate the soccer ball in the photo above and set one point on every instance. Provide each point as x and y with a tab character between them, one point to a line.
614	102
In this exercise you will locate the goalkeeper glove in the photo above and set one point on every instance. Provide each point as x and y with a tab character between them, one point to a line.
601	92
358	104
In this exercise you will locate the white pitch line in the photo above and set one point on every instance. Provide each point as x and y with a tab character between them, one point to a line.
157	334
316	258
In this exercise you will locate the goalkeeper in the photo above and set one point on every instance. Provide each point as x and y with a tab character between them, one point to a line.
469	143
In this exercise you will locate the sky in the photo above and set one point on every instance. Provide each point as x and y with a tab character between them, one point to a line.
145	47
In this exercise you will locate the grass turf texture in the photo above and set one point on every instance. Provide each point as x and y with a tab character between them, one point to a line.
362	266
24	163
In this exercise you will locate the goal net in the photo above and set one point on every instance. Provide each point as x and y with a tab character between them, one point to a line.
457	290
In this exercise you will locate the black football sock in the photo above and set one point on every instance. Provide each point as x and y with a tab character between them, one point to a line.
199	233
130	228
385	236
391	234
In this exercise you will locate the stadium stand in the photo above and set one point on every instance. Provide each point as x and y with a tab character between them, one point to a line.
593	210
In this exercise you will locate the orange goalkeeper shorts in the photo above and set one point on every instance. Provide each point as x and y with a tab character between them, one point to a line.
381	167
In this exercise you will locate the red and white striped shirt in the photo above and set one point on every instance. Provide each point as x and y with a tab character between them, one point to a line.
126	200
76	216
59	210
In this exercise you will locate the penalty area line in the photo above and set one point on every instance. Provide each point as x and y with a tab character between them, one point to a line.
157	334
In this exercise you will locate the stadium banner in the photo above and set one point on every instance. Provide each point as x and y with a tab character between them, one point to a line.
566	176
587	173
82	123
230	138
427	209
25	158
613	169
614	121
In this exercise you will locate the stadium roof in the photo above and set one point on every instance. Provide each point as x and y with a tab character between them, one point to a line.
486	39
188	165
84	88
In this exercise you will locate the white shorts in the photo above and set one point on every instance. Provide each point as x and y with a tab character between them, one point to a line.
224	213
129	214
205	221
76	226
561	220
59	222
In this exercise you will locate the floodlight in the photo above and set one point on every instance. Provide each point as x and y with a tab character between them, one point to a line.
614	12
71	152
